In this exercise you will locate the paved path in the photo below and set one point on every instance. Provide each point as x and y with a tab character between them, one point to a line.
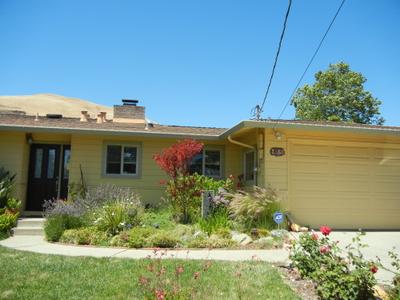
379	244
39	245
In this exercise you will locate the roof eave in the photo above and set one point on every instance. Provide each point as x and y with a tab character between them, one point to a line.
67	130
320	127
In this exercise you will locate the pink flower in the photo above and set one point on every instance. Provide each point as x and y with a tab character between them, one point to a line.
324	249
143	280
374	269
325	230
315	236
179	270
160	295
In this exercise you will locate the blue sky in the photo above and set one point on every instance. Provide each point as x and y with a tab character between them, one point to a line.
194	62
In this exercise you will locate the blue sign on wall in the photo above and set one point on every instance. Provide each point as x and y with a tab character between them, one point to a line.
278	217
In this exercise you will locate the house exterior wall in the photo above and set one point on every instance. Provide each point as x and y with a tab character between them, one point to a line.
344	179
88	152
14	152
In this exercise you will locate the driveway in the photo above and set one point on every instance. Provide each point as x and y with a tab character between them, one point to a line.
379	243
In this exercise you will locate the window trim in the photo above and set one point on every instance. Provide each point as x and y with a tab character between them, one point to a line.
123	145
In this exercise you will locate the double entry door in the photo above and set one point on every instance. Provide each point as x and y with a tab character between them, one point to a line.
48	174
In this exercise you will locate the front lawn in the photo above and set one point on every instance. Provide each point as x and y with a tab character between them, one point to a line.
25	275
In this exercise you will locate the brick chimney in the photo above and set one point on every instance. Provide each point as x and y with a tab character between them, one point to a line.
129	112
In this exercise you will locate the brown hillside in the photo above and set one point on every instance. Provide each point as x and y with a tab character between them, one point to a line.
51	104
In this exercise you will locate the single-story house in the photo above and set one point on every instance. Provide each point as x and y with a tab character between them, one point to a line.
341	174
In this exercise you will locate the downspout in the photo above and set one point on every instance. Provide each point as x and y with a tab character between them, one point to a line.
246	146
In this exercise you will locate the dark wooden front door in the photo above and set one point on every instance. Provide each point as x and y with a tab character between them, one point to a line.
46	165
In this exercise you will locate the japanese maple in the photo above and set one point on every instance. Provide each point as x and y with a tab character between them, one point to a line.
175	160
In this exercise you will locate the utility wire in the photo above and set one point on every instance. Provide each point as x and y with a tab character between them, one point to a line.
260	108
312	58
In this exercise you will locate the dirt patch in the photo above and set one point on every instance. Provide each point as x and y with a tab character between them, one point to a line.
304	288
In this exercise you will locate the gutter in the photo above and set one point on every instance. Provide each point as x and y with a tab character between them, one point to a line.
319	127
240	143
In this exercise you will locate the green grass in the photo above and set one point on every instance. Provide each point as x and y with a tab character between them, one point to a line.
25	275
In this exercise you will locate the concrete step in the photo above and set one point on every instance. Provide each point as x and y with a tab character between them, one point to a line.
28	230
26	222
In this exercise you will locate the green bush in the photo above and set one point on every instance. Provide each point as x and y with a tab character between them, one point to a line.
218	220
55	226
210	184
256	208
13	204
84	236
184	194
163	239
6	186
139	236
7	221
338	275
113	217
120	240
214	241
224	233
162	218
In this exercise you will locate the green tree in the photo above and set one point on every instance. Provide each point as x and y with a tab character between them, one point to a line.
337	95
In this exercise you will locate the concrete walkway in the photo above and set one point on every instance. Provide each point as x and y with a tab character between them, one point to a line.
379	243
39	245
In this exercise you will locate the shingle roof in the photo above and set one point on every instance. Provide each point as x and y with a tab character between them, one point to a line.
331	124
25	122
73	124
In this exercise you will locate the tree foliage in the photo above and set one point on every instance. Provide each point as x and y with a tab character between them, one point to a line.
175	159
337	95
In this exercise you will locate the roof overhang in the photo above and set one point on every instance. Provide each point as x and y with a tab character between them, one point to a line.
313	127
144	133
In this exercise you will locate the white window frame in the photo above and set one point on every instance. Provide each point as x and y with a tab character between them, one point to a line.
138	147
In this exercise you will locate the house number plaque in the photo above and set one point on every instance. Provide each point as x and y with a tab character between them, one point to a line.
277	151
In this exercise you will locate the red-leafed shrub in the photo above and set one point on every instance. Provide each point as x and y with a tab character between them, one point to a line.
182	190
175	160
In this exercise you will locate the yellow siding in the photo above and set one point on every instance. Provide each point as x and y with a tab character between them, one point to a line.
14	158
340	179
87	151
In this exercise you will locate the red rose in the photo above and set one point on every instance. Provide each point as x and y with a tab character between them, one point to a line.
325	230
314	236
324	249
374	269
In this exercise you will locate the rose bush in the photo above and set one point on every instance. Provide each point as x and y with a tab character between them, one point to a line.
338	274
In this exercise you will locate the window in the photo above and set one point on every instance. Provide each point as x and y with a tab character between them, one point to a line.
208	163
121	160
249	166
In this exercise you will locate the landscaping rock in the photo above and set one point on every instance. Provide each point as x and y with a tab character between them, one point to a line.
280	233
241	238
199	234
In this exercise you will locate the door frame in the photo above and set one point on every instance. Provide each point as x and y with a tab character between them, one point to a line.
59	170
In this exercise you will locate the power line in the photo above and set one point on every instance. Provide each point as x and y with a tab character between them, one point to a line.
259	109
312	58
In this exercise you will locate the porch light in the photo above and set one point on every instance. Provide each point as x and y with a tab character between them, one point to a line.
29	138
